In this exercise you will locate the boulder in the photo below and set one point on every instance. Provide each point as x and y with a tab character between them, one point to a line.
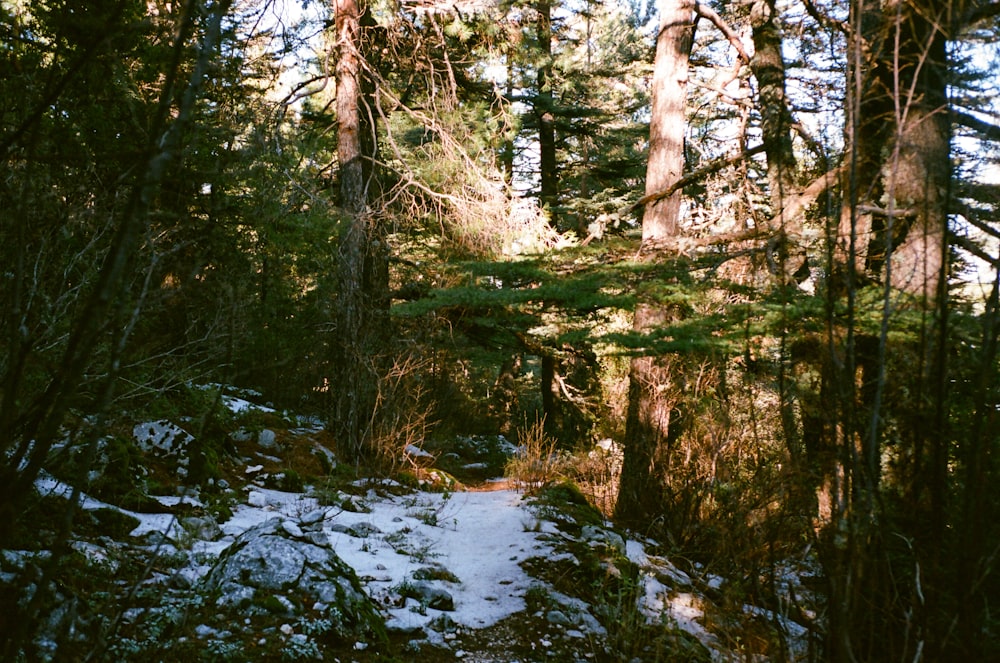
268	560
431	596
267	440
164	439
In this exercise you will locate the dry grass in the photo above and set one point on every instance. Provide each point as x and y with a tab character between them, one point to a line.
537	461
400	418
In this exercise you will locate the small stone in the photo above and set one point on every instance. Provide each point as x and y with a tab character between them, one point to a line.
434	597
317	539
291	529
573	633
558	617
313	517
363	530
222	484
287	629
242	435
257	499
267	439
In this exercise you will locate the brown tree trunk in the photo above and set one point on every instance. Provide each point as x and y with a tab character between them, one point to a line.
661	217
892	231
768	67
545	116
900	147
363	258
654	420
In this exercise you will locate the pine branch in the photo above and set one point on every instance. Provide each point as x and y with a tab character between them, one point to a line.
985	129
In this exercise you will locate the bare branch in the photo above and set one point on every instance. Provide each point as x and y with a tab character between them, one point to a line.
695	176
975	249
797	203
823	19
707	12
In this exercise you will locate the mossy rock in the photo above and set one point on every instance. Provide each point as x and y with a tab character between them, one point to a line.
567	506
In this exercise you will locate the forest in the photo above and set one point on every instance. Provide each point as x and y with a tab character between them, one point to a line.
751	244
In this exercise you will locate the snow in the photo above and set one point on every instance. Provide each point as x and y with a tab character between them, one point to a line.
476	539
46	485
480	537
237	405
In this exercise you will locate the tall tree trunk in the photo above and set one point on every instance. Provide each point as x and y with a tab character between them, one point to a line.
548	176
900	147
654	421
768	67
363	258
545	115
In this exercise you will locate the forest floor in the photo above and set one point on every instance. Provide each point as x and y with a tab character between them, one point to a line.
460	565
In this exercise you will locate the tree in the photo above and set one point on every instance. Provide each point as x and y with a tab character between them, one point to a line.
362	298
655	420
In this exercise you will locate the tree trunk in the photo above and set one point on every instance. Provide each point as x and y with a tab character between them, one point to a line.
893	226
892	231
544	113
768	67
661	218
654	419
362	303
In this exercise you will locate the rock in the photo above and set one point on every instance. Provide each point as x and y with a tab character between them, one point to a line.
257	499
204	631
291	529
598	535
558	618
156	539
202	528
433	597
267	560
443	624
267	440
317	539
359	530
313	517
162	437
242	435
165	440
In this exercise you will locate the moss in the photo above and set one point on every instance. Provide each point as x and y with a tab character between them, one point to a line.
565	498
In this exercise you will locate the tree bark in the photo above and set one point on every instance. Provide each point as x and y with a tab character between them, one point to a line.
661	217
654	419
896	211
545	116
768	67
362	304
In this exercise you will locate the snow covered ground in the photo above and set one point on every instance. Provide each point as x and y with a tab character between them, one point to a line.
467	548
